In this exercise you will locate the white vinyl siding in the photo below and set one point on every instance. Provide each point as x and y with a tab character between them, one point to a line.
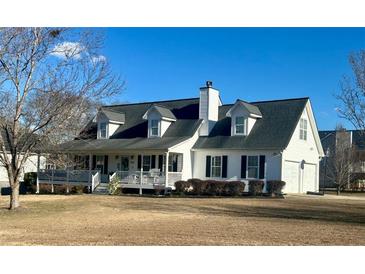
253	167
303	129
216	166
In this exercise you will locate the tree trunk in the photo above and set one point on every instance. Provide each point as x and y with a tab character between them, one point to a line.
338	190
14	197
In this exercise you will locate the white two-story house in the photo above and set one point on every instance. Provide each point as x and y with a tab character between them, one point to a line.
158	143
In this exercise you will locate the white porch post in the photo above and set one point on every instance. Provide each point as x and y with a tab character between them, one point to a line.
90	167
167	169
38	167
141	176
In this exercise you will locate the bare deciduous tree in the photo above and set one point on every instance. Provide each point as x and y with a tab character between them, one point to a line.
50	80
352	93
341	160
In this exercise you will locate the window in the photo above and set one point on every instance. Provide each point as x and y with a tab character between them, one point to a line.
173	163
252	166
154	127
239	125
216	166
146	162
103	130
303	129
99	165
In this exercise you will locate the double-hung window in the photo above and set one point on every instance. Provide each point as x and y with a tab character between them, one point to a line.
216	166
154	128
146	162
252	166
303	129
239	125
103	130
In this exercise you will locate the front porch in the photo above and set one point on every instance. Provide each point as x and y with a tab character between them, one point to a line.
148	170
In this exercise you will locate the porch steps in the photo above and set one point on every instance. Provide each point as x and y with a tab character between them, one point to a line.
101	189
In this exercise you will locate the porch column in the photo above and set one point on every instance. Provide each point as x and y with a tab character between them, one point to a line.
90	167
167	169
141	175
38	167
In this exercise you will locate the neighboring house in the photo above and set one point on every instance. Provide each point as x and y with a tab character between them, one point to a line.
332	139
158	143
29	166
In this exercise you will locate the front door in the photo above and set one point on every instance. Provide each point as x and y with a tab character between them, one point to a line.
124	163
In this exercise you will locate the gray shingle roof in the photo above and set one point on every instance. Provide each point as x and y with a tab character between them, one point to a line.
114	115
112	145
164	112
133	133
250	107
272	131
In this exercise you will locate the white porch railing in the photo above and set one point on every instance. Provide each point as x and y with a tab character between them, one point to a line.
95	181
62	175
152	177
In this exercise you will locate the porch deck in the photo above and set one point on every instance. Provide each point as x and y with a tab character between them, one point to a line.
93	178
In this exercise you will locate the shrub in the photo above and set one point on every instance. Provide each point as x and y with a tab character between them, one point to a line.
44	188
79	189
113	186
30	178
215	187
275	187
182	186
235	188
255	187
199	186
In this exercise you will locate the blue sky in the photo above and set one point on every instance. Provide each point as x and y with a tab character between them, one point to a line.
252	64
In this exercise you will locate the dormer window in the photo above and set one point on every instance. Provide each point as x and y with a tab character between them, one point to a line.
154	131
243	117
159	119
239	125
108	121
303	129
103	130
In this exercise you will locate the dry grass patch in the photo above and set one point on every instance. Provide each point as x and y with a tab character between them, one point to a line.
123	220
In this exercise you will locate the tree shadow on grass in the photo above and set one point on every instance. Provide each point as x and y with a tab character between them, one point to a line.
243	211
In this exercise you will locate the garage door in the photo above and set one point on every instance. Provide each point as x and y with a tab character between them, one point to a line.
291	177
309	177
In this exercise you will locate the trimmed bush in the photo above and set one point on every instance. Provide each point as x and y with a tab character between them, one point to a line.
182	186
199	186
255	187
209	187
275	187
215	187
234	188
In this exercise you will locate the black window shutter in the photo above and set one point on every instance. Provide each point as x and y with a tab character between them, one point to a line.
94	162
224	166
105	164
139	162
153	161
243	166
262	167
207	166
160	162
